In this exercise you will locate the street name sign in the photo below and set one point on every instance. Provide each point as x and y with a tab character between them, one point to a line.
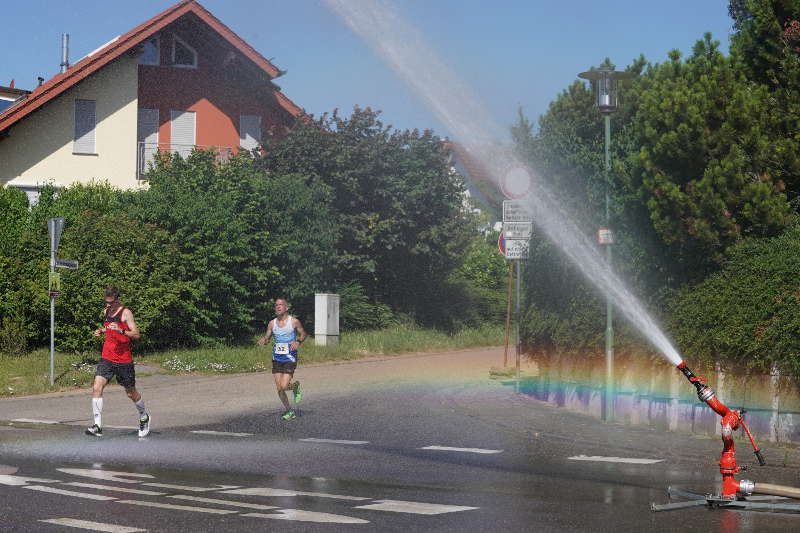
516	211
517	230
66	263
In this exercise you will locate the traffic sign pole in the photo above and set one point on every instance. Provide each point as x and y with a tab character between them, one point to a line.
508	313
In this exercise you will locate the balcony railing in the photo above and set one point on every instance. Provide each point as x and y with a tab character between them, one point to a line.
146	153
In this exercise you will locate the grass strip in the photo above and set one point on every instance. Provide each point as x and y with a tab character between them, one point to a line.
30	373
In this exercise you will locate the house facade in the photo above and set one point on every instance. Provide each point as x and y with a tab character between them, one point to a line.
178	81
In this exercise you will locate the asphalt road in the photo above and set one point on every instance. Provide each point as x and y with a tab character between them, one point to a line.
421	443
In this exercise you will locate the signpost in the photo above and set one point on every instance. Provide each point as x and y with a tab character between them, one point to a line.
54	227
514	244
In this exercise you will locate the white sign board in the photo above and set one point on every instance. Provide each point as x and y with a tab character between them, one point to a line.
516	248
516	211
517	230
604	236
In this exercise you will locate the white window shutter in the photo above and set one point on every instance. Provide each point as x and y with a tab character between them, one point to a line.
147	137
183	132
249	131
85	117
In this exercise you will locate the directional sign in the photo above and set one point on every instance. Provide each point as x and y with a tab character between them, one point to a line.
54	227
516	248
516	211
65	263
517	230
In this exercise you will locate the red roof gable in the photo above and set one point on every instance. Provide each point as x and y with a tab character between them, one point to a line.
125	43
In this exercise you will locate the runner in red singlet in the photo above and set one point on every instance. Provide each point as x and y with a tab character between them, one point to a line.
120	329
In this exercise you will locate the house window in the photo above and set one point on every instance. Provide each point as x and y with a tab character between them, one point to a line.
84	127
183	55
151	55
249	131
182	132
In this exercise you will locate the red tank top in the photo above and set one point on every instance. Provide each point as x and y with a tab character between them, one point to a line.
117	347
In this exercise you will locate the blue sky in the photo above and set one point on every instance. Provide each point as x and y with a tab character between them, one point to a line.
512	52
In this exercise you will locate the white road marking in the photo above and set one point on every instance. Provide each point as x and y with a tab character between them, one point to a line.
600	458
178	507
222	433
266	491
397	506
94	526
451	449
332	441
105	475
309	516
222	502
115	489
18	481
35	421
190	488
84	495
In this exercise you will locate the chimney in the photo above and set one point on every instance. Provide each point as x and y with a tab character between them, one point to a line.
40	80
64	52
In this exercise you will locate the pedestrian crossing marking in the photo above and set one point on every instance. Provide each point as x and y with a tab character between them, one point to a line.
94	526
600	458
178	507
452	449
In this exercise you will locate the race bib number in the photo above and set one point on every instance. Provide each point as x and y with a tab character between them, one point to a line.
282	348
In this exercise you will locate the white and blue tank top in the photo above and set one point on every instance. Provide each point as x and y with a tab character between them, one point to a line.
284	336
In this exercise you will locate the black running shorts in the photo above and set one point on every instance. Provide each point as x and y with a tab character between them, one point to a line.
283	367
126	375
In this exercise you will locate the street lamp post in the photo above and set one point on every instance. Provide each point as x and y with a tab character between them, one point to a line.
604	81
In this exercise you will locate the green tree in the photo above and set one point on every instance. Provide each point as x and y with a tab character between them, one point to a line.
399	212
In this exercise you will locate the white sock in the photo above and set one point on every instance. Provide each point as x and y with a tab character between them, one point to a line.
97	410
140	406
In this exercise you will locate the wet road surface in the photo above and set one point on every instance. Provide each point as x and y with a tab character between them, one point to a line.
425	443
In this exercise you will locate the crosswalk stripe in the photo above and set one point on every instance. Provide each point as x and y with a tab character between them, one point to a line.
308	516
600	458
452	449
397	506
178	507
221	433
333	441
190	488
84	495
115	489
222	502
94	526
35	421
270	492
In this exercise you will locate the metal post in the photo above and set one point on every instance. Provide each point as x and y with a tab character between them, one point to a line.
52	320
609	403
519	340
508	313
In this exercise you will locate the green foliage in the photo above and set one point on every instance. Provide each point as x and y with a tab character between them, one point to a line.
748	313
357	312
704	154
398	211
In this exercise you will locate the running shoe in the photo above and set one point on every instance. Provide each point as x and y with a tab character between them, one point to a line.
144	425
289	415
95	431
297	394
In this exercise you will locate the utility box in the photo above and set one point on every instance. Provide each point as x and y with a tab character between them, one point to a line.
326	319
